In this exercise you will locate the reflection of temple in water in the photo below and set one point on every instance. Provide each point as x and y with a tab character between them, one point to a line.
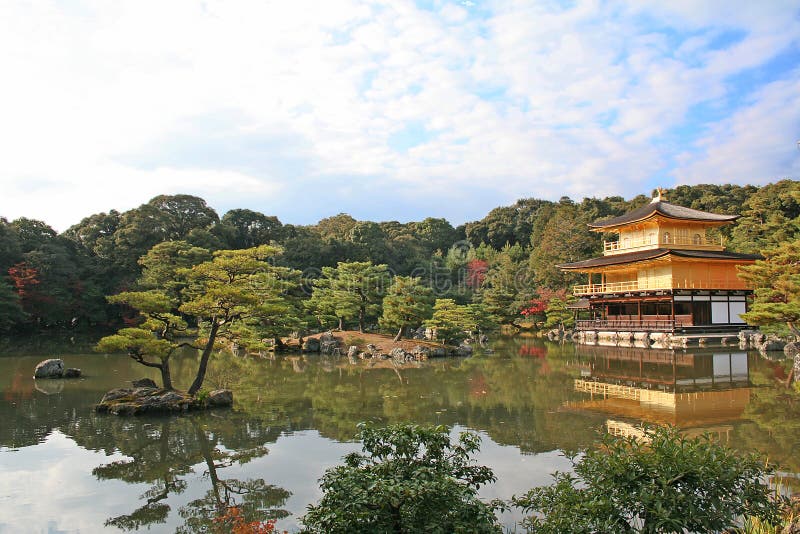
699	391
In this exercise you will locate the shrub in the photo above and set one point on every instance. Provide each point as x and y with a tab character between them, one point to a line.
662	483
410	479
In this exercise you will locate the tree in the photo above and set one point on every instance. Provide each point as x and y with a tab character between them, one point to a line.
155	340
351	290
663	482
409	479
407	302
770	216
11	312
223	293
776	280
161	264
434	234
251	228
450	320
564	239
506	288
337	227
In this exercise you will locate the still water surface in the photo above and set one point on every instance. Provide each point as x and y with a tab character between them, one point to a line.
65	469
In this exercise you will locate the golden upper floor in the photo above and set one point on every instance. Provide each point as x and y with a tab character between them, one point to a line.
660	224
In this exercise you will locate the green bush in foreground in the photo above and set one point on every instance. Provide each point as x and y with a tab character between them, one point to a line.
664	483
410	479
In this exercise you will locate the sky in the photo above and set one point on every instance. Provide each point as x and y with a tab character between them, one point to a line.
388	110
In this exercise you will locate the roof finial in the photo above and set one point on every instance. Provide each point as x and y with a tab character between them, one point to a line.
661	194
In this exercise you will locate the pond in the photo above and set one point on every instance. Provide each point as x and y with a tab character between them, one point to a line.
64	468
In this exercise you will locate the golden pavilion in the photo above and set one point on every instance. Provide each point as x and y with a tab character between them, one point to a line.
664	272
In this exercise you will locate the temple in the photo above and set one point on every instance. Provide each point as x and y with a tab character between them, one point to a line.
664	272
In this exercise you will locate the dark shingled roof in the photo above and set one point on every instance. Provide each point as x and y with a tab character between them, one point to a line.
644	255
665	209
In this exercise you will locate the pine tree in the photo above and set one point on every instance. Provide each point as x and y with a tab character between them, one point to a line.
407	303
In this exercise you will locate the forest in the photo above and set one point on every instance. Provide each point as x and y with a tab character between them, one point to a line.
499	268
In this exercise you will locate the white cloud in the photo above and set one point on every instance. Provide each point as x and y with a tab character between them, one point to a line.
532	99
757	143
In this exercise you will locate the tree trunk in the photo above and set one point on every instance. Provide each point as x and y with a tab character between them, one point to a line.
399	335
341	324
201	370
166	377
361	316
794	329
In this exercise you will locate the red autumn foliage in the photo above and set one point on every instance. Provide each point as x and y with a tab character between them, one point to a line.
234	522
536	307
539	305
476	273
24	279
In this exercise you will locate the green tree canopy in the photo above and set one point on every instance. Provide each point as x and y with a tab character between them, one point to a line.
776	281
408	302
455	321
662	483
352	290
409	479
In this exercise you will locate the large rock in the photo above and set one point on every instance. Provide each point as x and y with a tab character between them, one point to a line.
352	351
791	349
797	368
329	346
144	383
772	344
399	355
220	398
421	352
464	349
311	344
327	336
72	372
439	352
52	368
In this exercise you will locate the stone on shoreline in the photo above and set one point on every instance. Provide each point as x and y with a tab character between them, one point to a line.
311	344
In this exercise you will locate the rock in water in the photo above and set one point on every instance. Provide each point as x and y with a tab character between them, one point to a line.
144	383
72	372
421	352
399	355
797	367
220	397
311	345
52	368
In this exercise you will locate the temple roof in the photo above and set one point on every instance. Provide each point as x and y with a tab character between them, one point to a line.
665	209
644	255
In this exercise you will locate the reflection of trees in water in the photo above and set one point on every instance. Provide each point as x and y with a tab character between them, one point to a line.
520	406
772	418
165	452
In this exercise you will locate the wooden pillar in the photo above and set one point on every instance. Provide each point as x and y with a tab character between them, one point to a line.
672	303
